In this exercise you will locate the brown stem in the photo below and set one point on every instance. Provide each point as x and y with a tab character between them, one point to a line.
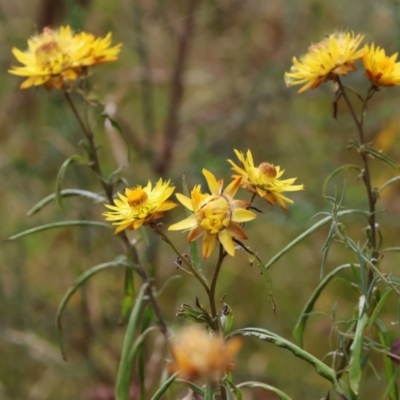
366	176
108	189
171	130
211	294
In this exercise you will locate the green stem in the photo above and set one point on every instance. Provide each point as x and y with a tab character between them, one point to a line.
211	294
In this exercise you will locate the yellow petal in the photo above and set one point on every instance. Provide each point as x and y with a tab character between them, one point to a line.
187	223
213	185
241	215
226	240
232	188
195	233
185	201
236	231
209	241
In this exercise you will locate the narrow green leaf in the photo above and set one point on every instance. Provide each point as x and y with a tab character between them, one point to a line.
61	174
338	171
191	385
262	334
129	293
66	193
254	384
208	392
305	313
356	347
77	284
230	385
63	224
394	249
380	156
382	301
118	128
307	233
388	183
391	391
125	367
163	388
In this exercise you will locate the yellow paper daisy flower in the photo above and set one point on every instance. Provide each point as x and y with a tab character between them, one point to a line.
380	69
333	56
264	179
215	215
56	56
197	354
140	205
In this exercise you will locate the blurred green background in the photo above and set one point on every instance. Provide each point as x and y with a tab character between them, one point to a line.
233	97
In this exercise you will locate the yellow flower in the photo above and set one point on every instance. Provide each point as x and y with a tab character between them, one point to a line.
197	354
335	55
264	179
140	205
380	69
56	56
215	215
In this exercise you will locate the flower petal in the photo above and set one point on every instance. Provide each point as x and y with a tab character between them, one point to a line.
185	201
213	185
187	223
242	215
209	241
226	240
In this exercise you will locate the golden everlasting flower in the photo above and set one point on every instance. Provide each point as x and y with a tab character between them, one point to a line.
197	354
333	56
140	205
380	69
216	215
56	56
264	179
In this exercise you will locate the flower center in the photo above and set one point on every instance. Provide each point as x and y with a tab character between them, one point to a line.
214	214
268	170
136	197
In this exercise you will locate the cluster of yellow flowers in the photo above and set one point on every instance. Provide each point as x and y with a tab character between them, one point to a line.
336	55
55	57
216	215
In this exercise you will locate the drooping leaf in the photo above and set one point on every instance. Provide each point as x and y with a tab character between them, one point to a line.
388	183
307	233
66	193
75	159
230	385
338	171
305	313
254	384
191	385
380	156
382	301
357	346
77	284
262	334
62	224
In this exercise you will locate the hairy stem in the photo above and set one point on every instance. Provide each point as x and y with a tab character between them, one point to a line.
211	294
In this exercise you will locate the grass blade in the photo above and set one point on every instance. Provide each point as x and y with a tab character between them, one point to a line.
254	384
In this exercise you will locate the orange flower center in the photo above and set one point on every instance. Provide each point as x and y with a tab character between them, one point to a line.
268	169
136	197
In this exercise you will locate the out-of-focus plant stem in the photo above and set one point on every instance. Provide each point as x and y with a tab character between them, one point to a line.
130	250
211	294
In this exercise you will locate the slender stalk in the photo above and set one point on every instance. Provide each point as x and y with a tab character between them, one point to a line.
108	189
211	294
181	257
366	176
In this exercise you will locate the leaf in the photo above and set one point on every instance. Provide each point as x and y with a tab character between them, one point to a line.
253	384
388	183
336	172
208	392
66	193
125	367
391	390
395	249
77	284
163	388
129	294
191	385
229	384
380	156
118	128
302	321
61	174
382	301
356	347
308	232
63	224
262	334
